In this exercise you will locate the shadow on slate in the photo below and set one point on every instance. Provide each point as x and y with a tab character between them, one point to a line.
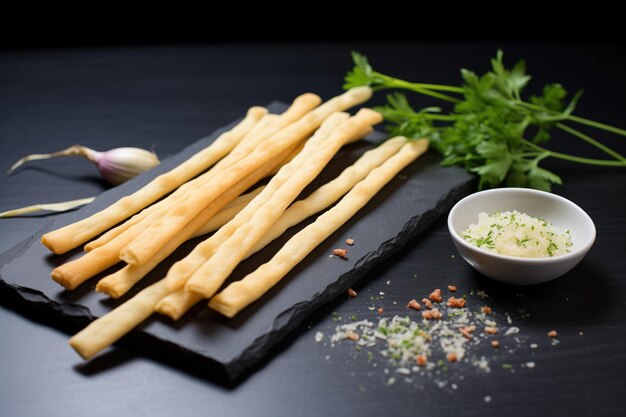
406	206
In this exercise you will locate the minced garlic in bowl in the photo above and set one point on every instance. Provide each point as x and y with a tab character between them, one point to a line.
517	234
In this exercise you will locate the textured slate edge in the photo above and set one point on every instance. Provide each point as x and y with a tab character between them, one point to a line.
82	316
291	318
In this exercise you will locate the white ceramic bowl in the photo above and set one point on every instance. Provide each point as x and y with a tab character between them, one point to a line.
559	211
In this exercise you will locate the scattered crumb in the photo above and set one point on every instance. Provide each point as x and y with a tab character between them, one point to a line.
533	346
319	336
342	253
350	242
511	330
487	398
403	371
435	296
351	293
552	333
451	288
581	334
495	344
413	304
451	357
491	330
530	364
371	308
380	310
388	282
352	336
452	256
482	294
486	309
427	303
467	331
456	302
421	360
432	314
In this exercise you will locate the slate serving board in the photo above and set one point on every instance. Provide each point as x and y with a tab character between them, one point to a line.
405	207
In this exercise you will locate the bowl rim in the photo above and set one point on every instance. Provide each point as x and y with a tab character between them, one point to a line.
581	251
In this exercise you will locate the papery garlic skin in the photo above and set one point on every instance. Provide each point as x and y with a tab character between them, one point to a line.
121	164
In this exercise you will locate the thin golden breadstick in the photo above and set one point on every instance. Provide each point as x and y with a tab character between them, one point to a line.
208	278
179	302
68	237
228	212
157	234
179	273
250	139
109	328
71	274
118	283
241	293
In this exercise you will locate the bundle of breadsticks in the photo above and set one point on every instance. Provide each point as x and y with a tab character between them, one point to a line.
209	193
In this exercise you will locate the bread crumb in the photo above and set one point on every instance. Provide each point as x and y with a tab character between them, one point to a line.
413	304
435	296
342	253
456	302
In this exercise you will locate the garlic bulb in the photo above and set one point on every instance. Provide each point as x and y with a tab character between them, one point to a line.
116	166
121	164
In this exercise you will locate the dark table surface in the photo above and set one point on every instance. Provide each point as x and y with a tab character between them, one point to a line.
170	97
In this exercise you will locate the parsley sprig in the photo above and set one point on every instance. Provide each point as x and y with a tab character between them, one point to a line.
491	130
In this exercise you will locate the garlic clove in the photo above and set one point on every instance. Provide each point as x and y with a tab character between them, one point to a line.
121	164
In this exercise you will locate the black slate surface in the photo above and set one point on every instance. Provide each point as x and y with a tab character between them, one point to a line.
404	208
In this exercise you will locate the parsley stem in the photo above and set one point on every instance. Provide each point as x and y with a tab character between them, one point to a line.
436	87
589	161
391	82
591	141
598	125
576	119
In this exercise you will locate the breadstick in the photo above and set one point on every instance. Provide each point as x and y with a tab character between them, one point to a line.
180	193
179	302
179	273
68	237
228	212
208	278
157	234
241	293
118	283
109	328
